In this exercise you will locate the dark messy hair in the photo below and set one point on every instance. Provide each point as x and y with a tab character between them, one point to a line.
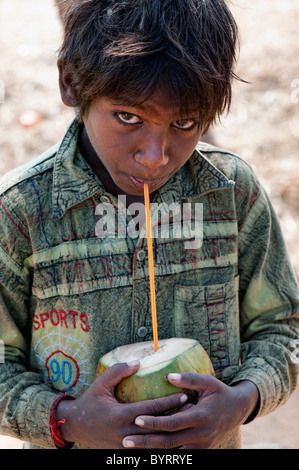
129	48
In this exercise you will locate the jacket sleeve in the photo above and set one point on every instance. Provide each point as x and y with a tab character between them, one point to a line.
25	398
268	299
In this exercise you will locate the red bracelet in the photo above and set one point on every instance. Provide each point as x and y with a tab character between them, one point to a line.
54	425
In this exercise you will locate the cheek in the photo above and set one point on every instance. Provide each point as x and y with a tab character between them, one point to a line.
183	149
115	142
103	143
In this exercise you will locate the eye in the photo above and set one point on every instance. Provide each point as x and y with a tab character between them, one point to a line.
184	124
128	118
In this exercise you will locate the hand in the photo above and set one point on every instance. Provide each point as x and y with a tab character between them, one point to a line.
219	410
98	421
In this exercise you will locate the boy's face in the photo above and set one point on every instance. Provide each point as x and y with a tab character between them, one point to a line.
141	144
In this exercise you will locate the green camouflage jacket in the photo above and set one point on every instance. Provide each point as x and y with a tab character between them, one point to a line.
68	295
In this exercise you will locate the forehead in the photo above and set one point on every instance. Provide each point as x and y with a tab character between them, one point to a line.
160	101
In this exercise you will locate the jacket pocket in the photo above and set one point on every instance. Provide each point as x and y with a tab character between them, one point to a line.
210	314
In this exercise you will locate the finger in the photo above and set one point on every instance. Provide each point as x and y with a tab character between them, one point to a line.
170	423
158	406
192	381
185	407
156	441
116	373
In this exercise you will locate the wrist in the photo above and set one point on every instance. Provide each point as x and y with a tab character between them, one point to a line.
57	421
248	398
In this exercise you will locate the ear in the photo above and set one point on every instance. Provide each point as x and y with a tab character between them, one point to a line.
65	86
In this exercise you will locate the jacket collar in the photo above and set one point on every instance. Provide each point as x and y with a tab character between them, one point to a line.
197	177
73	179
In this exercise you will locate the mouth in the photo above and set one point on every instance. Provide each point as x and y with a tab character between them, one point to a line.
139	183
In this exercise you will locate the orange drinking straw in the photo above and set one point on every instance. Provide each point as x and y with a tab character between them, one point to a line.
151	265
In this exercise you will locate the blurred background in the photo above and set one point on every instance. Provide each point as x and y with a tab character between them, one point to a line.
262	127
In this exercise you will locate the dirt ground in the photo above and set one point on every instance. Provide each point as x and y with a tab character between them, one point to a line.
263	126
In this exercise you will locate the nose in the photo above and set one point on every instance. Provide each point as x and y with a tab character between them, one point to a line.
152	153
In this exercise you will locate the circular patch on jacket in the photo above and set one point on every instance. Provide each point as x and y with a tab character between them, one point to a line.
64	359
63	371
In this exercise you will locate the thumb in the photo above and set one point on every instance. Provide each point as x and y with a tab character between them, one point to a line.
112	376
193	381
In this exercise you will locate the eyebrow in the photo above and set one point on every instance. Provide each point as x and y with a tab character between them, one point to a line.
194	114
124	102
131	104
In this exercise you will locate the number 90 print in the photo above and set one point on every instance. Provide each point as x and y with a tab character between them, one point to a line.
63	371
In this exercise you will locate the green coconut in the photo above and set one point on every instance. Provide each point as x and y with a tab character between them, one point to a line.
174	355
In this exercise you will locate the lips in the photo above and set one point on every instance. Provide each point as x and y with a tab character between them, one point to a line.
140	182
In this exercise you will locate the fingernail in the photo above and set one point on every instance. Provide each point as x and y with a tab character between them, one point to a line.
175	376
128	443
139	422
133	363
184	398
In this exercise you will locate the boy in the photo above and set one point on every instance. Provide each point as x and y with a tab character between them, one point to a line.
147	78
